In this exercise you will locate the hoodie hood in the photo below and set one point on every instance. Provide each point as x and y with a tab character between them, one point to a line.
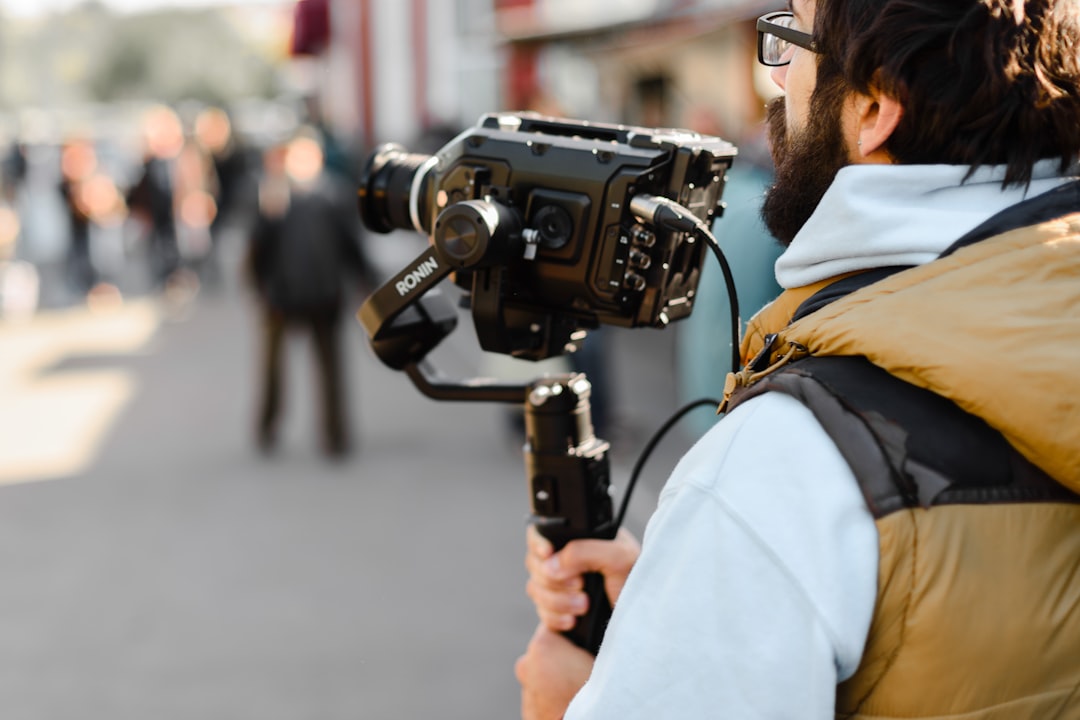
879	215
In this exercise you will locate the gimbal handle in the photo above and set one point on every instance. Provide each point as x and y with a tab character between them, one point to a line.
569	483
566	466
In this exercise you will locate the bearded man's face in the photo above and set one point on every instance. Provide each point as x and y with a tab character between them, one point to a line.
806	159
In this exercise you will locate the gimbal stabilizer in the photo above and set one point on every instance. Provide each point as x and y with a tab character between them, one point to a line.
566	464
555	226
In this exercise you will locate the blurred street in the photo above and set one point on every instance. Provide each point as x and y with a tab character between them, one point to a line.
156	566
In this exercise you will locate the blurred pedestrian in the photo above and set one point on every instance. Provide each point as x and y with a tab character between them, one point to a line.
13	171
228	163
152	198
304	254
341	160
91	199
78	161
194	196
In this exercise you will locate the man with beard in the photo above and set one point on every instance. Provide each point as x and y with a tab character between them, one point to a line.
886	524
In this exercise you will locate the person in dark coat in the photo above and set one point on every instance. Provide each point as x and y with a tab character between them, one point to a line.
304	256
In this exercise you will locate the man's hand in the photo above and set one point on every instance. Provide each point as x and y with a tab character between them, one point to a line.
555	584
551	672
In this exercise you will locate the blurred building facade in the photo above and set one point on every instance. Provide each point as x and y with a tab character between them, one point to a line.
686	63
395	69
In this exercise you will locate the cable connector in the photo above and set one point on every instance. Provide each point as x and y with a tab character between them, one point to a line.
664	212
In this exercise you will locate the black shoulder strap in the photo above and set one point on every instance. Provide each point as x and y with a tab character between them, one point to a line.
907	446
842	287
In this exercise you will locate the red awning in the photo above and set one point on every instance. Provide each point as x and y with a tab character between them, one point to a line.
311	27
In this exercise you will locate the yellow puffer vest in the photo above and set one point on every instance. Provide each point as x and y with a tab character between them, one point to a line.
978	606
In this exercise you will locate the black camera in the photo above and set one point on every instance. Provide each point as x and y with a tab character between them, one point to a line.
547	224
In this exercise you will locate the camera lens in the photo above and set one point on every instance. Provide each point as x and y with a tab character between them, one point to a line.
385	193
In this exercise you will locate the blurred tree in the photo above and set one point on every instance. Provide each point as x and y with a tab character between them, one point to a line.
93	54
174	55
123	69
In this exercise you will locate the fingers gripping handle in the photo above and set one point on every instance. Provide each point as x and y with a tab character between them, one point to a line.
569	483
588	631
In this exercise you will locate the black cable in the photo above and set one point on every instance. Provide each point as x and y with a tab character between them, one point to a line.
667	213
733	300
648	449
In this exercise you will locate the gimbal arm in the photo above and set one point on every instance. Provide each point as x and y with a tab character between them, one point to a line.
403	320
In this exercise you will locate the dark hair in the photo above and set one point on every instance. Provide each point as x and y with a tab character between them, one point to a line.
982	82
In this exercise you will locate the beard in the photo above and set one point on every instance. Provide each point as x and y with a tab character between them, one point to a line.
806	161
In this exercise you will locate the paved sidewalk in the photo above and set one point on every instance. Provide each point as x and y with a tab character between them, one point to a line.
52	423
158	567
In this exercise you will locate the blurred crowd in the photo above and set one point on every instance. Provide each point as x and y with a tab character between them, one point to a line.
95	217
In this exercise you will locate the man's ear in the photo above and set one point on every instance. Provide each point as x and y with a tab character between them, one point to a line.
879	114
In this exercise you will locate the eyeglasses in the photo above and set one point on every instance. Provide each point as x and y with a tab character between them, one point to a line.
775	38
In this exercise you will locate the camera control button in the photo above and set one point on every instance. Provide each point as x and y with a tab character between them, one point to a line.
633	281
639	259
545	498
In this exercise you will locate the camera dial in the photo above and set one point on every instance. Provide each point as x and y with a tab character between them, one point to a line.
477	233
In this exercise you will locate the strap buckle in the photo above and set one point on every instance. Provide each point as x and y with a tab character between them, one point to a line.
756	369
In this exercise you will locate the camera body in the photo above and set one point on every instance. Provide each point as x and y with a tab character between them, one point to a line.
533	216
